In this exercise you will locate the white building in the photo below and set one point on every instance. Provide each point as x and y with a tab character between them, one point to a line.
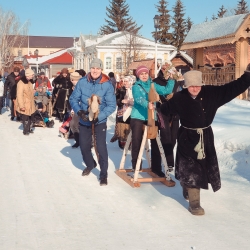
117	51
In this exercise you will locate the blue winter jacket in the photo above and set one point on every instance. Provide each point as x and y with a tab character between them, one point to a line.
102	87
140	108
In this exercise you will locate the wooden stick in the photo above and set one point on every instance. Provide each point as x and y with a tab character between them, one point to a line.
125	151
138	163
163	157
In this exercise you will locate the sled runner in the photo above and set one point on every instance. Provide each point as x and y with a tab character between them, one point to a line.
132	176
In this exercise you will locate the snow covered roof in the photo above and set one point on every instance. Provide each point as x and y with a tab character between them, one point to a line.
116	38
43	59
221	28
65	58
183	54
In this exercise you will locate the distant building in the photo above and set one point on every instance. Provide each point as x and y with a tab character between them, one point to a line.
117	51
43	45
52	63
220	48
45	53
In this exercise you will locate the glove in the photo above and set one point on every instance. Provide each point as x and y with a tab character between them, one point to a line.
84	115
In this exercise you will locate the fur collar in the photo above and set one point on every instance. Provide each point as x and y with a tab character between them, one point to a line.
25	80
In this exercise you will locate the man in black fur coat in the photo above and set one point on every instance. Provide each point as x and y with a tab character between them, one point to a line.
196	160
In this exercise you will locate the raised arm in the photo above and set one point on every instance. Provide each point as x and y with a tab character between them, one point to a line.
165	90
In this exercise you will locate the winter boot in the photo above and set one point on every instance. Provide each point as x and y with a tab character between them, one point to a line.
26	127
87	170
76	136
103	182
194	201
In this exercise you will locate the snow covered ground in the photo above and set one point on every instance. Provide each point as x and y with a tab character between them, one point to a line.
45	203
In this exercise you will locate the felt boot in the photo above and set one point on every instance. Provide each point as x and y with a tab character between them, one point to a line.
194	201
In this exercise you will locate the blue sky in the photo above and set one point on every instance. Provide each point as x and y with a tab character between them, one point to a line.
70	18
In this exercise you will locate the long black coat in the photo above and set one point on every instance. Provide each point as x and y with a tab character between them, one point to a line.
199	113
168	133
63	88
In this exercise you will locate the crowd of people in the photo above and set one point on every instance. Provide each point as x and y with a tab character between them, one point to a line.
183	112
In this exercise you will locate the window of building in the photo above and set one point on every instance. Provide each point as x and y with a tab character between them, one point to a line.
119	64
108	62
159	61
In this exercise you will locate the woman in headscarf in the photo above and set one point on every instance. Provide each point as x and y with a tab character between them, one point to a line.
124	101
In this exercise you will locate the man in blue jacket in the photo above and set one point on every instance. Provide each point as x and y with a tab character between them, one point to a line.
95	82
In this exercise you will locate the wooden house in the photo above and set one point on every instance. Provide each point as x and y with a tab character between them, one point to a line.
220	48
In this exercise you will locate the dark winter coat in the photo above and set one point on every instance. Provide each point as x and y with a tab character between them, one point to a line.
169	128
63	88
113	81
10	85
199	113
120	94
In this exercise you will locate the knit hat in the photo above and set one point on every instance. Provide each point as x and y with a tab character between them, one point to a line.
75	76
96	63
141	69
192	78
64	70
42	73
29	72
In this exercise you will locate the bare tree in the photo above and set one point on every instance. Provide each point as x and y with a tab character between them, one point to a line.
130	49
12	36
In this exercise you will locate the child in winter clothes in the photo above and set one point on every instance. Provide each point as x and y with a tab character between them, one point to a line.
42	95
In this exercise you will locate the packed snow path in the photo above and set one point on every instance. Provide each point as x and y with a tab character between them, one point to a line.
45	203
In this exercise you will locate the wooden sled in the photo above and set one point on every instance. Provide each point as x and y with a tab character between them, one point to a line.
132	177
39	124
